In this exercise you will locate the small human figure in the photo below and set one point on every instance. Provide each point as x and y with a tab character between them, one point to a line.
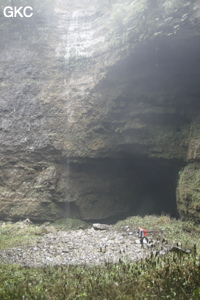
142	234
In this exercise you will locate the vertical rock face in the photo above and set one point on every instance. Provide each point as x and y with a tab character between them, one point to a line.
188	192
188	189
97	123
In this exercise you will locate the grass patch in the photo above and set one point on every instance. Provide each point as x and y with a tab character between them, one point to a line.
71	224
170	276
16	234
164	227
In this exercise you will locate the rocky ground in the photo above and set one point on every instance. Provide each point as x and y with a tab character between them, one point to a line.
97	245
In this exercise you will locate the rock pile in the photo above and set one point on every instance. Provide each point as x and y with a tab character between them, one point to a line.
88	246
95	246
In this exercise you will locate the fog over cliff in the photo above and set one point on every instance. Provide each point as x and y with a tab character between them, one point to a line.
100	110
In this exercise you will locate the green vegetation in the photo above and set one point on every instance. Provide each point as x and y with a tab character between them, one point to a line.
188	192
16	234
70	224
170	276
165	227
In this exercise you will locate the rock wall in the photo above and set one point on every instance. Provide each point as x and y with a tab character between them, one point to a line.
188	189
97	123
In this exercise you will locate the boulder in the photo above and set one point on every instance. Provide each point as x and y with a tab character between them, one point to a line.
98	226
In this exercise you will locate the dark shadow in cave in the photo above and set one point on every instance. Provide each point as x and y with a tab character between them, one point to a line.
157	194
146	186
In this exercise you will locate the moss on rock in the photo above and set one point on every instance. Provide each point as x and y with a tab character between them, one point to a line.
188	192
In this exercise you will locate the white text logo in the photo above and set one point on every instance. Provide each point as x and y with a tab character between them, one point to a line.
22	12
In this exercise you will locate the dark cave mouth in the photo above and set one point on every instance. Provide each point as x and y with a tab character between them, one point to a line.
157	192
154	191
135	186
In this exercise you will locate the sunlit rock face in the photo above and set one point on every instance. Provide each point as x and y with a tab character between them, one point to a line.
95	127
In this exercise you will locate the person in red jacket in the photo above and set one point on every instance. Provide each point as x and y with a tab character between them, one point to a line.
142	234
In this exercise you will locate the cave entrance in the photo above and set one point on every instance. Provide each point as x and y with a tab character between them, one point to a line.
148	186
113	189
157	181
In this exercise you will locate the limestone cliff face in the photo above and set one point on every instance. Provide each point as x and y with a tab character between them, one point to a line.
100	113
